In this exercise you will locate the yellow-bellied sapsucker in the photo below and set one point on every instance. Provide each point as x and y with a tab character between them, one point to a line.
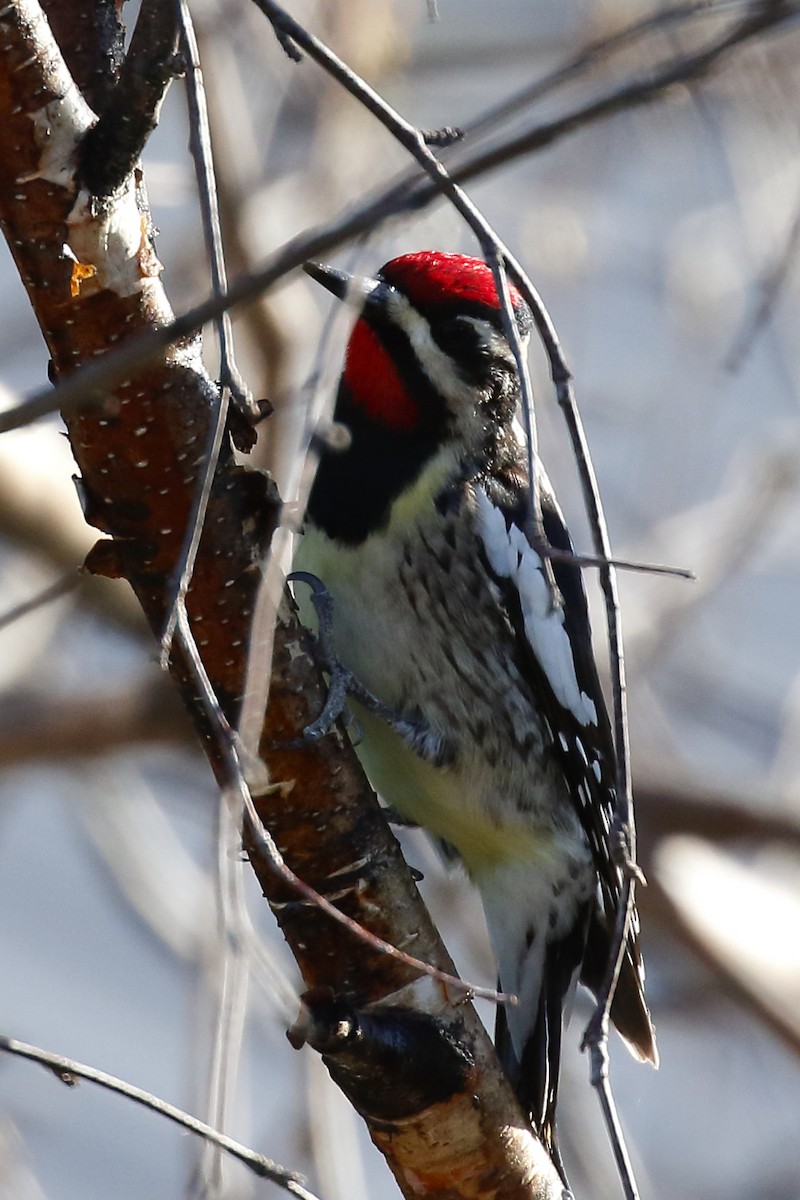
421	530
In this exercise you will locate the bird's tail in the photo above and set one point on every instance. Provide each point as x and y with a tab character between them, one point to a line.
532	1060
629	1011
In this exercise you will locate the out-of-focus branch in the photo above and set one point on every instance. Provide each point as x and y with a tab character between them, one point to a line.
762	17
590	56
693	891
723	534
769	288
54	591
36	727
740	925
69	1071
668	807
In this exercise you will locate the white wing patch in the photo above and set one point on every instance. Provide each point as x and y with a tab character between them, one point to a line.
512	557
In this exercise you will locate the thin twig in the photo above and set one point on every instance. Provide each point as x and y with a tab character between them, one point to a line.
620	564
230	980
68	1070
595	1036
203	158
763	16
230	383
590	56
770	287
53	591
602	1085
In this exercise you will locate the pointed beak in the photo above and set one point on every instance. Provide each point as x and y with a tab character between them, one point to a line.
357	289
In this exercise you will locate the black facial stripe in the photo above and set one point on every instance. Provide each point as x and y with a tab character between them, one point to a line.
354	489
467	347
460	306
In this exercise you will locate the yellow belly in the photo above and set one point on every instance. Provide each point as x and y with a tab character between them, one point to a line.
449	802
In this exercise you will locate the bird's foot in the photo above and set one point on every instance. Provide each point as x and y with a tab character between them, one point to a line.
343	682
415	731
620	843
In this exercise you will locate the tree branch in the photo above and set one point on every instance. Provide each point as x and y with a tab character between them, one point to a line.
112	148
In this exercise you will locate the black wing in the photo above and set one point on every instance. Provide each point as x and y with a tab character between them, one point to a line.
580	735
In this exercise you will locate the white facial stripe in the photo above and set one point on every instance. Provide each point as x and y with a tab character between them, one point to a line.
437	365
512	557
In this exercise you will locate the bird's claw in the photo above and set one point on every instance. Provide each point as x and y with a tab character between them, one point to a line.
343	683
620	845
414	730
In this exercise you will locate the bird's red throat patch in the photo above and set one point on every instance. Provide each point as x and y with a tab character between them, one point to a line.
374	383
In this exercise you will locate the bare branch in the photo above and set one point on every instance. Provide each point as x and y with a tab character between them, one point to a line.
202	156
53	591
69	1071
593	54
34	727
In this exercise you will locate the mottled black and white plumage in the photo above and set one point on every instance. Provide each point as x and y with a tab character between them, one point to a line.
501	750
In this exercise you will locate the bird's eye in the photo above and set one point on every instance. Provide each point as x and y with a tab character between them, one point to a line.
460	338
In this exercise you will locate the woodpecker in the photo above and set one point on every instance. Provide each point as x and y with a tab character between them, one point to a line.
423	534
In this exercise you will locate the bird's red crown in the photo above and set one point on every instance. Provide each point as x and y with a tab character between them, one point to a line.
431	277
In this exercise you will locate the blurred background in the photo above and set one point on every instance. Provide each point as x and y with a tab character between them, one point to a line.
664	241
